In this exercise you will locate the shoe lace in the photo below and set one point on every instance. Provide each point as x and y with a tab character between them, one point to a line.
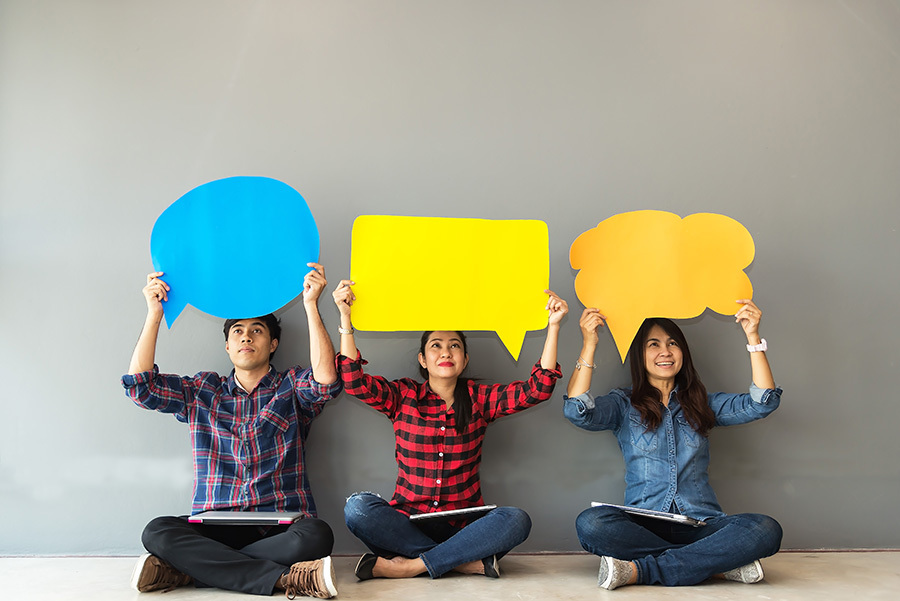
171	578
301	580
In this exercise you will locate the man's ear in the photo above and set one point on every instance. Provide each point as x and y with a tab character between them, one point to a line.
273	345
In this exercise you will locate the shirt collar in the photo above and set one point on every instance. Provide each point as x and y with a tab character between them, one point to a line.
426	392
233	385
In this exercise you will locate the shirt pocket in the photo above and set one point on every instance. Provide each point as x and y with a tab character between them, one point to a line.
640	437
271	423
690	436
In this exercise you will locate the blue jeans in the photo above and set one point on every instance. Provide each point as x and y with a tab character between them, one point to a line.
674	554
442	546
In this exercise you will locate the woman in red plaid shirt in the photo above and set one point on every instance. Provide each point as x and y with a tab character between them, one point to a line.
439	427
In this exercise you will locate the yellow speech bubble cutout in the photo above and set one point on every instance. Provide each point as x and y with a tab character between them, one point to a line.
433	273
656	264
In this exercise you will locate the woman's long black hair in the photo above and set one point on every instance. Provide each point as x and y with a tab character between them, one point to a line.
691	391
462	401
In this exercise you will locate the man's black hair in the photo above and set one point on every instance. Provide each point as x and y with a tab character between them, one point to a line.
272	323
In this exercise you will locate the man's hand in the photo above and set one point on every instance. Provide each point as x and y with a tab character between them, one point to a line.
313	284
155	292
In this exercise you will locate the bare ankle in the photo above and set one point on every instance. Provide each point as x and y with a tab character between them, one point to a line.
633	579
398	567
472	567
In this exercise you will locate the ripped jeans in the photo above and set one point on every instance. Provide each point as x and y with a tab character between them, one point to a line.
442	546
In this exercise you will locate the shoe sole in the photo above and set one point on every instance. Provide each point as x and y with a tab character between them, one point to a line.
138	569
328	575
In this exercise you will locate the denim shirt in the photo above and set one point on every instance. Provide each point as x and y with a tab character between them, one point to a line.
666	469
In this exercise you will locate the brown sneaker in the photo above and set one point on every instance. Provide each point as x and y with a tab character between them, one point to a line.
311	579
151	574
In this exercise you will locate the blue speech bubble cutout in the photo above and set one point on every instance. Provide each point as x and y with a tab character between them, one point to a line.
234	247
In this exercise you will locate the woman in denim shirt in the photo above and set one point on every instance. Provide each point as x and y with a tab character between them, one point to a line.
662	424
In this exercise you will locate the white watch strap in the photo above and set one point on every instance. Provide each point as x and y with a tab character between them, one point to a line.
756	348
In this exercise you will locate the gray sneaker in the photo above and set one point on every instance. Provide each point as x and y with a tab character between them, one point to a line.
748	574
613	572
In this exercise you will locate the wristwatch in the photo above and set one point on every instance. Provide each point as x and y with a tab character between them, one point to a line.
755	348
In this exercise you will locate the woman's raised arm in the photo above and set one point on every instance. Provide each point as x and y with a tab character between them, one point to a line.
343	298
749	316
580	382
556	309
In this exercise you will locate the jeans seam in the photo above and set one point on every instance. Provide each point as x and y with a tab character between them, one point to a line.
428	565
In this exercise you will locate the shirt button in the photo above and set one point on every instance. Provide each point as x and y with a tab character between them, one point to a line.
441	454
443	428
438	481
435	503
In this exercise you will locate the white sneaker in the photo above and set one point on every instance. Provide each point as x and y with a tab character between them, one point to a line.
613	572
748	574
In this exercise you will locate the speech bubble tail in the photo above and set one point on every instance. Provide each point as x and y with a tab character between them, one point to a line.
512	339
623	331
172	308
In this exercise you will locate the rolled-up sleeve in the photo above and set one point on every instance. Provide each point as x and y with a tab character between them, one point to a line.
594	413
506	399
377	392
733	409
165	393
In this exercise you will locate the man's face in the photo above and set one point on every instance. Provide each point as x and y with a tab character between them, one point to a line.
249	344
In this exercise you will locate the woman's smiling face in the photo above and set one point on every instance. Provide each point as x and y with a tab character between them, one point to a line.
663	357
444	356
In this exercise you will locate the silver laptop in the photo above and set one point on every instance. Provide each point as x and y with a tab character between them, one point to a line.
652	513
258	518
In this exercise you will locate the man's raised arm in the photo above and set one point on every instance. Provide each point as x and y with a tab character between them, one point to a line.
155	292
321	350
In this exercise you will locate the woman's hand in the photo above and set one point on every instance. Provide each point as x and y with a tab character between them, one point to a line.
748	316
591	320
344	297
556	307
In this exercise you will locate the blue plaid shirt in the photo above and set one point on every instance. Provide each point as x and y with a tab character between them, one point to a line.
249	448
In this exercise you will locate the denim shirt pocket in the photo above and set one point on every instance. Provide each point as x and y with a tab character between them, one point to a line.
687	433
640	437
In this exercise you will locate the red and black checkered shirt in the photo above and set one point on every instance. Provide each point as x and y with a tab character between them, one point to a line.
438	467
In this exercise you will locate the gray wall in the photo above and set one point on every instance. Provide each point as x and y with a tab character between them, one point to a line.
782	115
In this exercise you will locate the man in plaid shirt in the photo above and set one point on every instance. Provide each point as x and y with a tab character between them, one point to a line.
247	432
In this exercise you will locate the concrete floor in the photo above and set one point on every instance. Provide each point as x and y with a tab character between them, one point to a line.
789	576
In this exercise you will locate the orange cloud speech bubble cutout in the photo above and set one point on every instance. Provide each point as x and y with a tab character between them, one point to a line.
433	273
656	264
